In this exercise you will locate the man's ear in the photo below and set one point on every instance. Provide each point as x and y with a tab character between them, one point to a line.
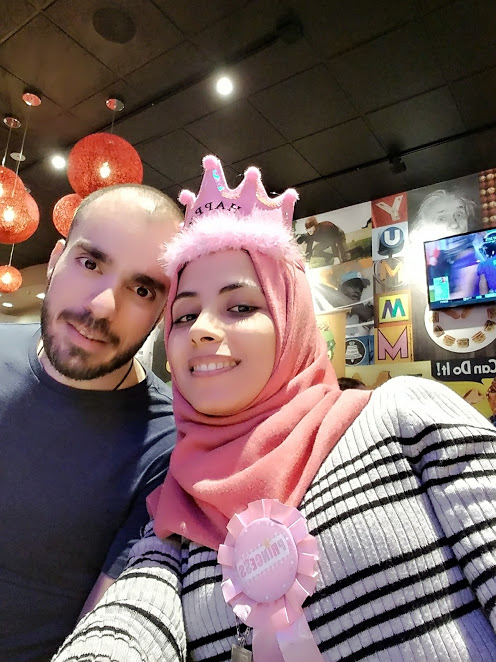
57	251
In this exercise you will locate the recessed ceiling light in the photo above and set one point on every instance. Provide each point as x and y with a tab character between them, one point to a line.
41	295
7	304
18	156
58	162
224	86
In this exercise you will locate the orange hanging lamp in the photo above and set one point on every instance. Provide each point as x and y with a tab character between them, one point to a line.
102	159
64	211
10	279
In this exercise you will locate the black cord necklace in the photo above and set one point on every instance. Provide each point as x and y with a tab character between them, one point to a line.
125	376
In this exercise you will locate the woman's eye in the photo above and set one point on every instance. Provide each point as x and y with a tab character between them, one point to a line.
243	308
144	292
184	319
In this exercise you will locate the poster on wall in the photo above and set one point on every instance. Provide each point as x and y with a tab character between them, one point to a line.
473	379
336	236
437	212
375	375
332	328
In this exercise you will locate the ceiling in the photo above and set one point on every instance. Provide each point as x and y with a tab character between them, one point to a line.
325	93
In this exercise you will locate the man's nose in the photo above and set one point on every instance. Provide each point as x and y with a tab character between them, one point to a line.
104	304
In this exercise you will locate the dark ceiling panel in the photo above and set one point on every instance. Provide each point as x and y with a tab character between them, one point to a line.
417	121
152	177
250	22
304	104
235	132
317	198
333	26
176	155
369	183
476	98
95	114
341	147
440	163
168	70
463	36
486	148
191	17
158	119
282	167
381	72
272	65
13	15
154	32
43	56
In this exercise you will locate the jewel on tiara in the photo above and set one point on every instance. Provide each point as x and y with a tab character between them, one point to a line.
215	195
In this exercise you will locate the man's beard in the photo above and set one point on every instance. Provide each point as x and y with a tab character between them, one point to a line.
73	362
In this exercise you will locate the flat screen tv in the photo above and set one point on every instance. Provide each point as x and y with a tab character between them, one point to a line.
461	270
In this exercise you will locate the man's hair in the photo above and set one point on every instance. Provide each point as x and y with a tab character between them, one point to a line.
349	382
311	222
160	203
442	194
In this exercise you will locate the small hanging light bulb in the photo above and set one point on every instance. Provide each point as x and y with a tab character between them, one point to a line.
105	170
9	215
6	278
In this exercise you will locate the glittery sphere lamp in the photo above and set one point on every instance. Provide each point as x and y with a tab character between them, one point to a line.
14	221
10	279
11	185
34	218
64	211
102	159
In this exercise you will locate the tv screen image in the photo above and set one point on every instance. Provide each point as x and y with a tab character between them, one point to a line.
461	270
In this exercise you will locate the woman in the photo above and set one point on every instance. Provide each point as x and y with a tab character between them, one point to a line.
376	512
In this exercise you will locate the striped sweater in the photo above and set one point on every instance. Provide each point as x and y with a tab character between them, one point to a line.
404	509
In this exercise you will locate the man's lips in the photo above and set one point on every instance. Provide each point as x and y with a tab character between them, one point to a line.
85	333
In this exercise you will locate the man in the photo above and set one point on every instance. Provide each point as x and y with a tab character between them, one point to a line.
85	432
322	236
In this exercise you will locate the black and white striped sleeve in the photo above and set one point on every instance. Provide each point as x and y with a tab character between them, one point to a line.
453	450
140	617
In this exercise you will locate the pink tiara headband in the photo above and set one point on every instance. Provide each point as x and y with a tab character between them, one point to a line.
220	218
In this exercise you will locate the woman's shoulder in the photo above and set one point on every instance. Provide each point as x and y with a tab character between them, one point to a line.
410	404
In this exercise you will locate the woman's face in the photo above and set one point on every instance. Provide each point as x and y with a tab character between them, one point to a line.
222	343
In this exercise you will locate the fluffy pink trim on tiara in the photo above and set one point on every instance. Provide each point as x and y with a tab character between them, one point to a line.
224	231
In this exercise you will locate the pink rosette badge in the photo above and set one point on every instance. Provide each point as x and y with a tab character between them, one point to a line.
268	569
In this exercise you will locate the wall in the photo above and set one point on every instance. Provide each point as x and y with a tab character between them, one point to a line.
366	268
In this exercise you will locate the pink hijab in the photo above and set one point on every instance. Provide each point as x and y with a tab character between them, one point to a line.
274	447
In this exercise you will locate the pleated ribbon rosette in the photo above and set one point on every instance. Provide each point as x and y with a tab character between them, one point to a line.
268	564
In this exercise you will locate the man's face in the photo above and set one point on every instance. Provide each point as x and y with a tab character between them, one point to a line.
450	212
353	289
107	289
311	230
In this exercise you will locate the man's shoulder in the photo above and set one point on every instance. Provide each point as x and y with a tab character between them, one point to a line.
18	334
159	387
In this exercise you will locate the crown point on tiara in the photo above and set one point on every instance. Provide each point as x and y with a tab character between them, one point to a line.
250	196
186	197
210	162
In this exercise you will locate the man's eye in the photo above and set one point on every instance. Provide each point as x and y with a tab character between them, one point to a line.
144	292
88	264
